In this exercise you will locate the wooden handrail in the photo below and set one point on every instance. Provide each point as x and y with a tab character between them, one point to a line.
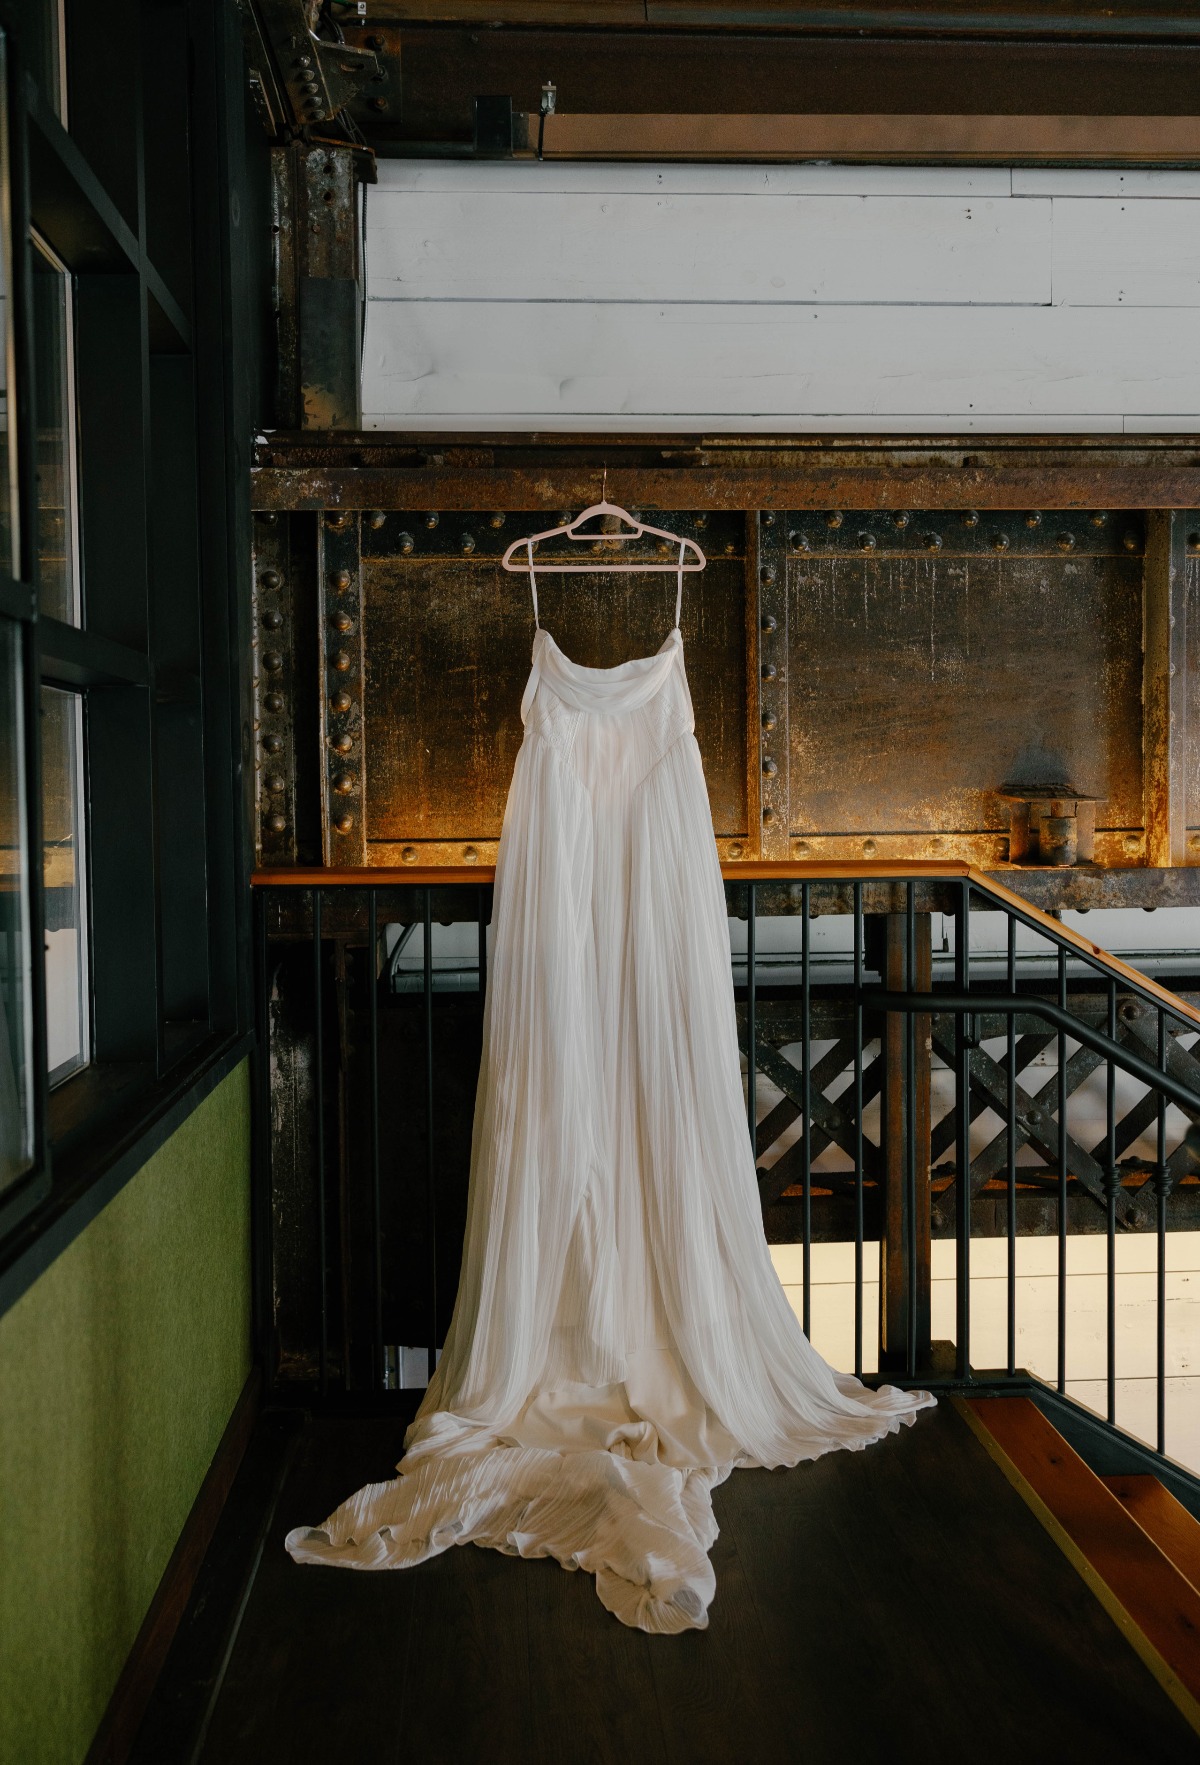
930	870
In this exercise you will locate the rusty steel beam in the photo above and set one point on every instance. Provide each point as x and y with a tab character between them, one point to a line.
1166	689
878	140
1173	485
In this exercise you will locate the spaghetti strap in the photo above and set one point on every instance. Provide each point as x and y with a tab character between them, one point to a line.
537	625
679	588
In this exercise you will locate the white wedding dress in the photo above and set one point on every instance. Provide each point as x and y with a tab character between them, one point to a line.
620	1340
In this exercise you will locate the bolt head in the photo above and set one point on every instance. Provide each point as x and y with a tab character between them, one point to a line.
341	702
277	823
344	823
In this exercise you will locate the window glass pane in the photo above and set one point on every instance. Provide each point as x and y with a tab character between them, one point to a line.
65	873
16	1030
54	396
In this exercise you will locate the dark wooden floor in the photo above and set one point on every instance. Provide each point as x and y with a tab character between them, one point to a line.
896	1604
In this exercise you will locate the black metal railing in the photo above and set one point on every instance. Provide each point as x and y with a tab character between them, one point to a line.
889	1101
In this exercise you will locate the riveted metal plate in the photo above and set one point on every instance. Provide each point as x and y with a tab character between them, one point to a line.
965	533
448	637
769	597
274	638
343	772
924	681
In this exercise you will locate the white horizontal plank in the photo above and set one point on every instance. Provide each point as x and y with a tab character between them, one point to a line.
461	178
919	250
1102	182
1129	253
710	423
576	363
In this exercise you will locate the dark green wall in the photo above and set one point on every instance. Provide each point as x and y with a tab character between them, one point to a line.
118	1372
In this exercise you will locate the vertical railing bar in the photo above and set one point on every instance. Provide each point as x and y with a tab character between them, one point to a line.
1062	1176
806	1094
910	1130
1011	1295
319	1083
962	1086
1160	1192
376	1222
858	1130
263	1246
752	1018
430	1160
1112	1188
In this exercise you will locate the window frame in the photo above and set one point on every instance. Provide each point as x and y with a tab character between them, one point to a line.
158	691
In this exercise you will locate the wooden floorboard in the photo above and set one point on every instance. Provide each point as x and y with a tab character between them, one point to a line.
899	1603
1165	1520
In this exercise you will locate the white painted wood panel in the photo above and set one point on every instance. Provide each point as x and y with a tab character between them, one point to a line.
1126	253
1096	181
567	363
664	246
782	298
495	177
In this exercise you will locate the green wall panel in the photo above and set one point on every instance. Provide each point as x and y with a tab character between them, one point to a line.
118	1372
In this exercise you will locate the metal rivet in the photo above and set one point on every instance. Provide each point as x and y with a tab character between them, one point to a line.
999	542
341	661
431	519
468	543
970	518
768	519
900	517
273	702
273	620
336	518
496	520
769	671
341	702
1131	842
275	782
273	744
340	579
769	721
564	516
801	848
800	541
341	621
344	823
1033	518
768	814
866	542
1129	540
376	519
767	574
406	543
933	542
270	579
701	522
268	517
735	851
272	661
1193	542
343	744
769	767
409	854
869	848
770	623
379	104
833	518
343	784
276	823
1098	517
470	855
1065	542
